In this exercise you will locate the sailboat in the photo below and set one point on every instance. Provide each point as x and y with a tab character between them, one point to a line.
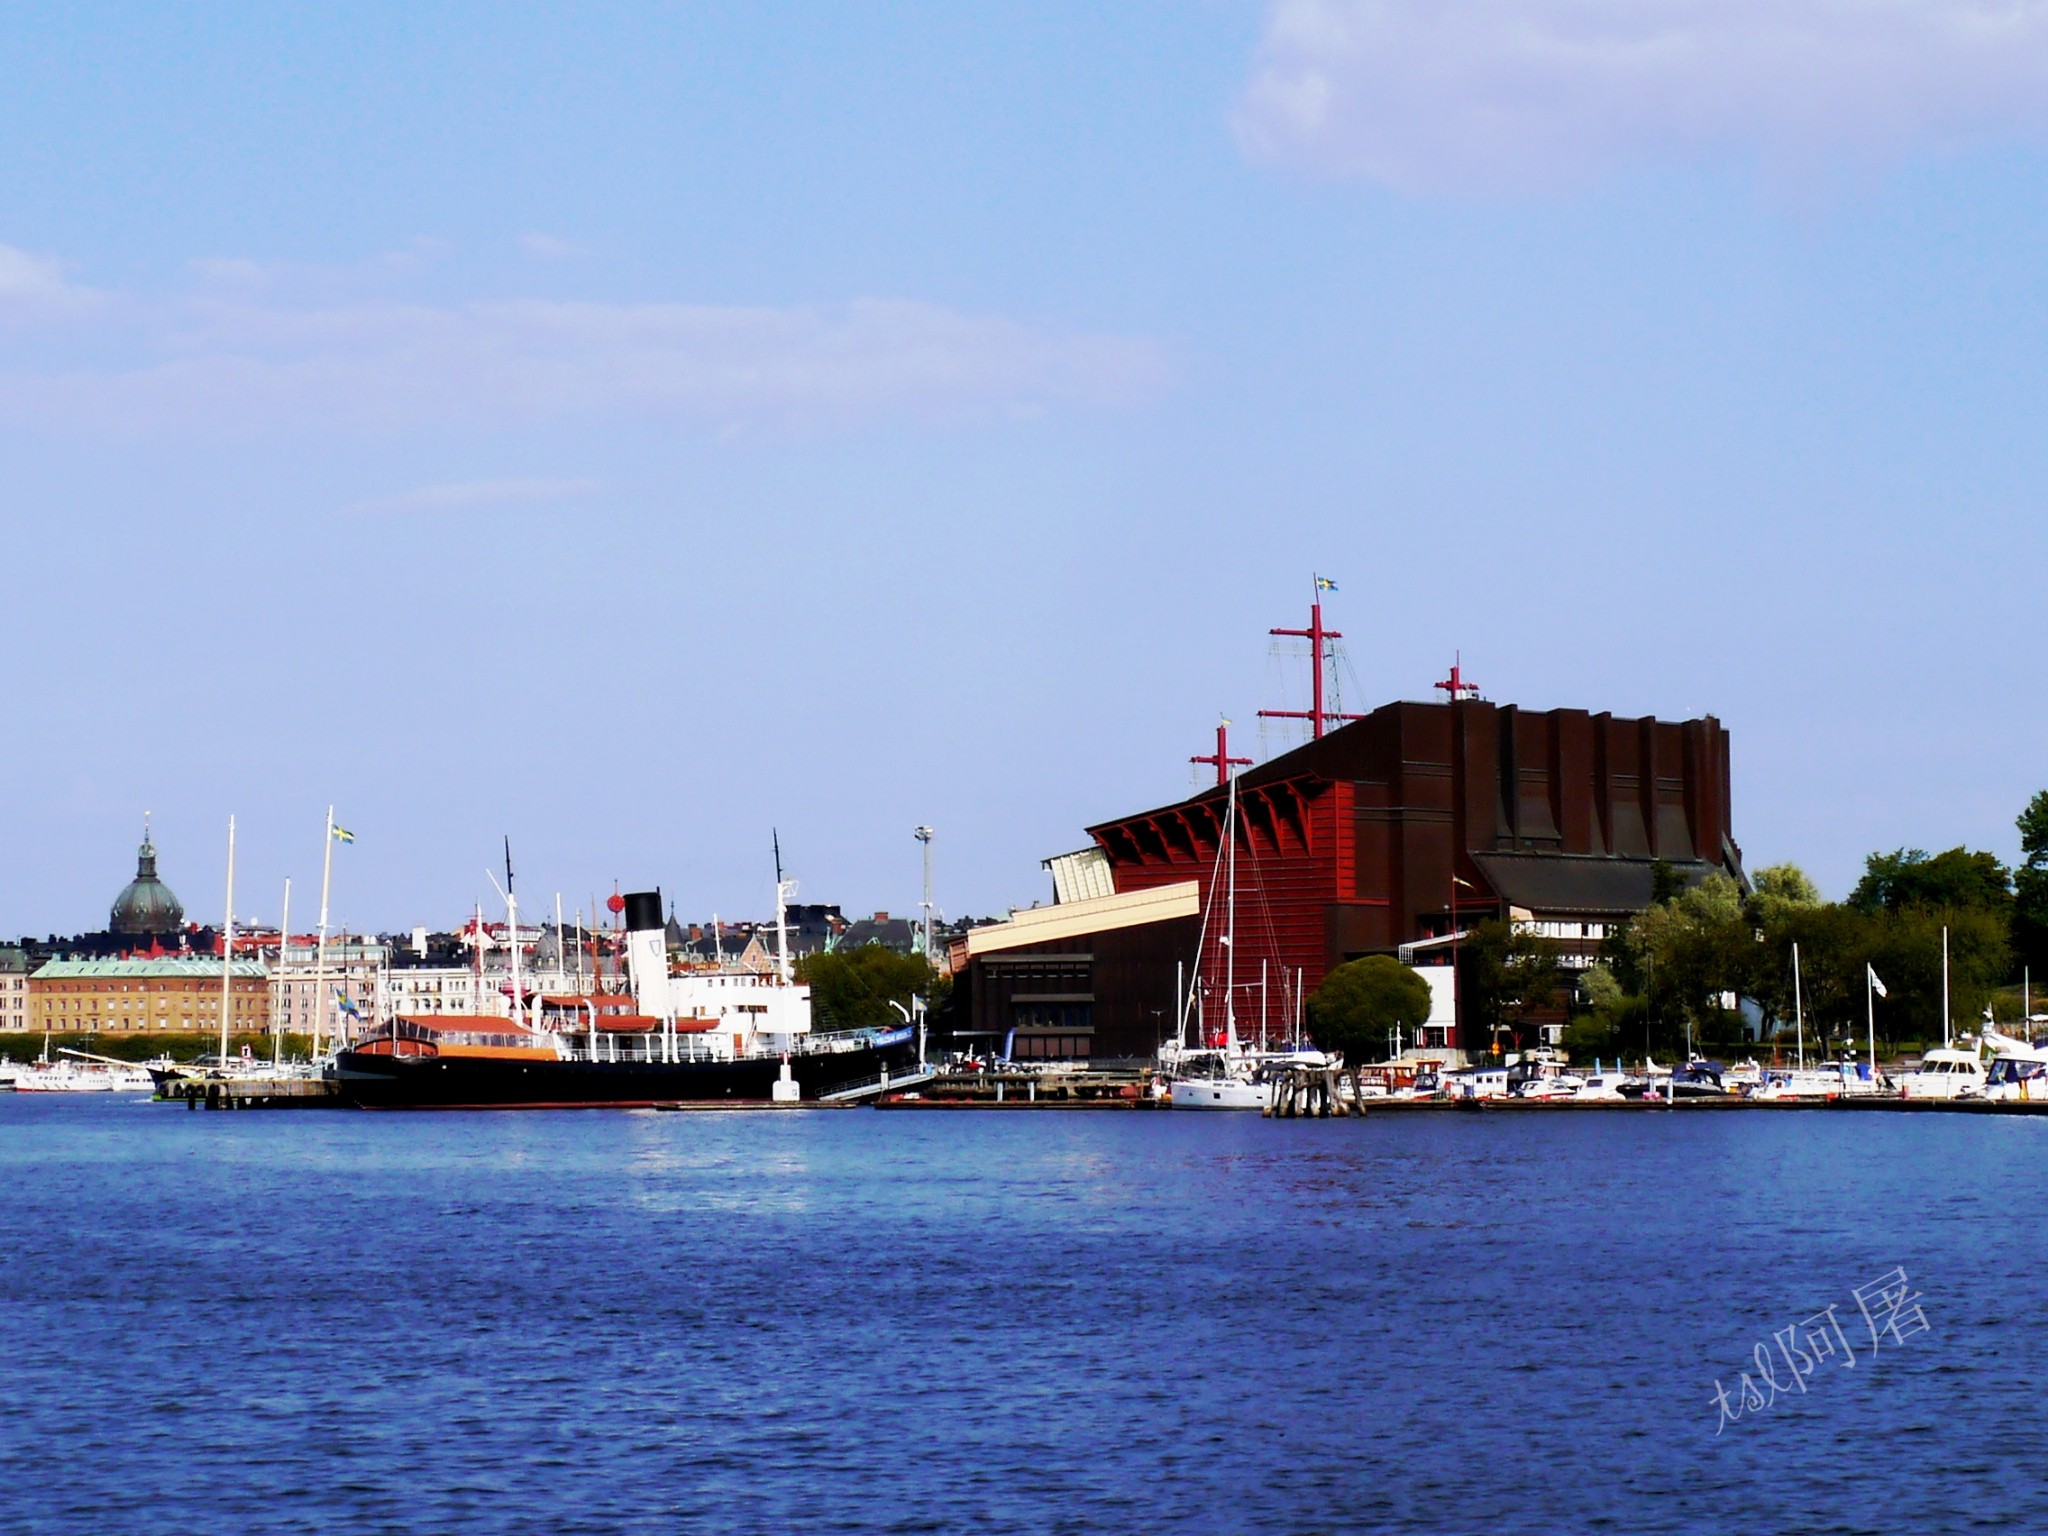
1234	1076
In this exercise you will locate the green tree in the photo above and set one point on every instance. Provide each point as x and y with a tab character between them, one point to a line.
1360	1003
1781	887
1507	976
1910	877
853	988
1691	951
2030	886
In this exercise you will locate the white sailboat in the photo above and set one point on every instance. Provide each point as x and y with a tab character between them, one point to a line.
1234	1076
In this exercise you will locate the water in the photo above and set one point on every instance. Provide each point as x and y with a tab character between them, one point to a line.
859	1321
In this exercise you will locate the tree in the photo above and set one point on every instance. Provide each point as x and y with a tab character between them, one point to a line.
1910	877
1508	974
1783	886
1361	1003
2030	885
852	988
1691	950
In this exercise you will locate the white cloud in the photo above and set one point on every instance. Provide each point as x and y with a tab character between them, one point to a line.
227	358
1531	95
469	495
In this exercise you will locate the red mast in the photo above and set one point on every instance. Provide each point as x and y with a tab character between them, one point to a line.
1222	759
1315	635
1455	685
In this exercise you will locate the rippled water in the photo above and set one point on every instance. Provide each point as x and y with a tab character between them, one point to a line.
328	1321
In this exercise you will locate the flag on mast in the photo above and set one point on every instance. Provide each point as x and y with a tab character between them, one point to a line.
1324	584
343	835
1875	985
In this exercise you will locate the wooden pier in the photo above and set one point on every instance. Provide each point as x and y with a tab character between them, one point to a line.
254	1093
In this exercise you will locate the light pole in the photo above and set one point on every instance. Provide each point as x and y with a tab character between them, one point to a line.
924	836
1457	1022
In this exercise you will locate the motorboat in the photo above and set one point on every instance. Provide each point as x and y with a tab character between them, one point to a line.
1696	1079
1601	1085
1820	1082
1541	1075
1427	1083
1743	1076
1944	1073
2018	1071
1550	1085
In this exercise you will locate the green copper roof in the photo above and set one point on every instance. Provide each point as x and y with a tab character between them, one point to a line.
146	905
169	967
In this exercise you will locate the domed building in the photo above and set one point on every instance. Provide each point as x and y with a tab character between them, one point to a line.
146	907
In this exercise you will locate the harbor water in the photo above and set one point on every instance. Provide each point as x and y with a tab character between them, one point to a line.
851	1321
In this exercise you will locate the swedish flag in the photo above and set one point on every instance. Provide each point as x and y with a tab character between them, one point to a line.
1324	584
343	835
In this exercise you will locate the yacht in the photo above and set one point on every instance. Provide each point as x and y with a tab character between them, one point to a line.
1824	1081
2018	1072
1602	1085
1944	1073
1696	1079
1218	1080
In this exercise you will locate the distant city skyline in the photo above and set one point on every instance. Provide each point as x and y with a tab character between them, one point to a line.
634	432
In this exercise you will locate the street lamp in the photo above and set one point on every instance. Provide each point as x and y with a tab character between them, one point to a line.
1457	1022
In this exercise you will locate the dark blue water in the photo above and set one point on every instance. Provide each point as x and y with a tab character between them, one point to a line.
1035	1322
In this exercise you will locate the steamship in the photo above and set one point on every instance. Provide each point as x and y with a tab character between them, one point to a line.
719	1037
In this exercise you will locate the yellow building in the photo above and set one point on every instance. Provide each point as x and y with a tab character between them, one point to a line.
178	995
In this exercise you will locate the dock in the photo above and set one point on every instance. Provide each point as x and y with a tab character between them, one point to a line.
254	1093
1096	1090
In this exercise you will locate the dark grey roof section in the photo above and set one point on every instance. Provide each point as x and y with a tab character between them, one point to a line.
1563	882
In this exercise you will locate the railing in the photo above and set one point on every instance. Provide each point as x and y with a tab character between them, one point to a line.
868	1087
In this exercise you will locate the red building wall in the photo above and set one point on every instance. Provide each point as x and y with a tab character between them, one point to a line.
1349	844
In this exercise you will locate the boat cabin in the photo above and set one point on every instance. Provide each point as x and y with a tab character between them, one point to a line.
453	1034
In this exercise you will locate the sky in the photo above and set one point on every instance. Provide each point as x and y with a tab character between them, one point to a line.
642	429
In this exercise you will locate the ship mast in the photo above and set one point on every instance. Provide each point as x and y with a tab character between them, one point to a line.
1317	637
227	952
1221	756
284	939
784	889
1230	926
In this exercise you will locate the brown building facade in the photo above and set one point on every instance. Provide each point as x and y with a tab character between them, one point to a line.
1388	829
176	995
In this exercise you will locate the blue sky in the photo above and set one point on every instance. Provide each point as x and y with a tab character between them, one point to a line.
635	427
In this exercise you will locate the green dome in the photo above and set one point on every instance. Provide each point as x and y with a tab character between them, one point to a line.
146	905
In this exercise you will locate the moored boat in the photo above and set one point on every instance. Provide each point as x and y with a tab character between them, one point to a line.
701	1038
1944	1073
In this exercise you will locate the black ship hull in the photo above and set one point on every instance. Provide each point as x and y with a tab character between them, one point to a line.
476	1082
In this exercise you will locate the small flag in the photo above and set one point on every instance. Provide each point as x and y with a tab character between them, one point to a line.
348	1007
343	835
1324	584
1875	985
